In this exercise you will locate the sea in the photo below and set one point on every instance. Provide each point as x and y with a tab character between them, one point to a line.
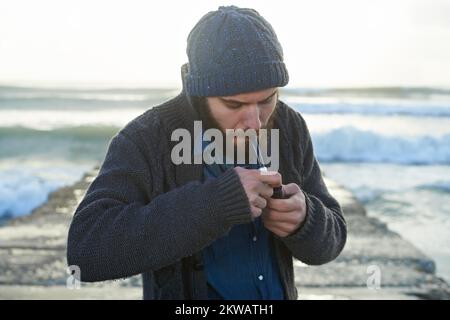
389	145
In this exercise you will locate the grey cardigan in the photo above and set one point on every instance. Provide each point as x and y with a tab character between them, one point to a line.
144	215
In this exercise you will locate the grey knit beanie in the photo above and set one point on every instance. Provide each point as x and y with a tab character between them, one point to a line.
233	50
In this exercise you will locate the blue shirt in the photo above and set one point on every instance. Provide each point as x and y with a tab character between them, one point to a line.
241	264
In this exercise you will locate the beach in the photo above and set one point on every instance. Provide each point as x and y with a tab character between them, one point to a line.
33	258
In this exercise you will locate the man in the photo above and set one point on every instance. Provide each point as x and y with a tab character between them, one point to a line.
208	231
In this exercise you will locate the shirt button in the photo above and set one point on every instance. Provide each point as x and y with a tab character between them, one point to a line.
260	277
255	238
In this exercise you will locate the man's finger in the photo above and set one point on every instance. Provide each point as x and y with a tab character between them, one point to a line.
260	202
279	227
280	216
284	205
272	178
256	212
291	189
265	190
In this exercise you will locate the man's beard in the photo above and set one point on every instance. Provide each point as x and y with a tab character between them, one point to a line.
209	122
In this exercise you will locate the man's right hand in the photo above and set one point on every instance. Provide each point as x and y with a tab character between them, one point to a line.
258	187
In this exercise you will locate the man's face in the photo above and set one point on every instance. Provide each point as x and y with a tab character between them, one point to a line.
243	111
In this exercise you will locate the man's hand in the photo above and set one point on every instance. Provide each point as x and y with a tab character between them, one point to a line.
258	187
284	216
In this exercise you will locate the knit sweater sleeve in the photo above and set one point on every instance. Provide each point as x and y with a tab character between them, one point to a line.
118	231
323	234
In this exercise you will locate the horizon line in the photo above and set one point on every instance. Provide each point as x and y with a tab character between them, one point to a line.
137	86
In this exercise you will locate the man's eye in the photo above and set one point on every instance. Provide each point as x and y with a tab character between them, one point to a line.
267	101
234	106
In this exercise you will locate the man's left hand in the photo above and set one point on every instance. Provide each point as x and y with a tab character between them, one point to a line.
284	216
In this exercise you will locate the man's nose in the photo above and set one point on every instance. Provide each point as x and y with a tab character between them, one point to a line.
252	120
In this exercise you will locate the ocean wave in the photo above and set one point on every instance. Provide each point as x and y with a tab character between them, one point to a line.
374	108
373	92
348	144
35	98
26	187
440	186
79	103
45	119
76	143
76	132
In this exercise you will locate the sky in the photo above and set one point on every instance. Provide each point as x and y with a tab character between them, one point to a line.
348	43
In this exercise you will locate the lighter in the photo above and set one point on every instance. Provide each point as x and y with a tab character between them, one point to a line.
277	191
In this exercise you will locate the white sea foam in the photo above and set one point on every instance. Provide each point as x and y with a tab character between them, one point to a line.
348	144
27	185
386	107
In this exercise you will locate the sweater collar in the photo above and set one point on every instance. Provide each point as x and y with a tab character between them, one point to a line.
184	72
180	112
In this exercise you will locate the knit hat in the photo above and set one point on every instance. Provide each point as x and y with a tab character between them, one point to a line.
233	50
